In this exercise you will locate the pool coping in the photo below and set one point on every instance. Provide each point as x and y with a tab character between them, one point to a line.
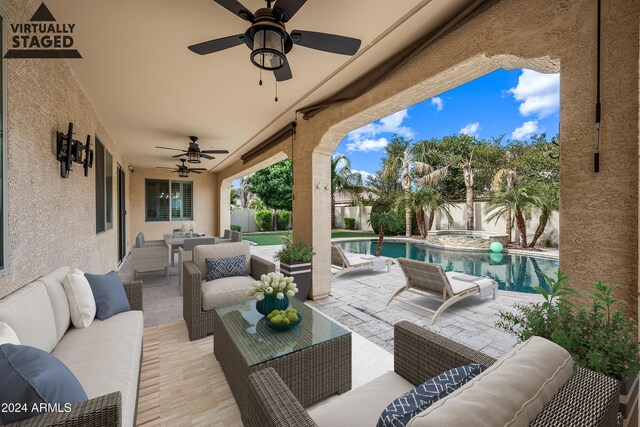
457	248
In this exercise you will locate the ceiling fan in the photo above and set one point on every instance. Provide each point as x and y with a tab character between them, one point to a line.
194	152
183	170
269	40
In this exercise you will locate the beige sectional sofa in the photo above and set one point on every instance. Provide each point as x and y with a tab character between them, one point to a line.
105	357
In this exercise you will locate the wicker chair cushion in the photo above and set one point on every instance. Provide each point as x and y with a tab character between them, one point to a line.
28	312
511	392
105	357
59	303
201	252
8	335
229	290
400	412
363	405
31	376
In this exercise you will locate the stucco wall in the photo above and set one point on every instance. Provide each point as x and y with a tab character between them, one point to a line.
204	212
51	220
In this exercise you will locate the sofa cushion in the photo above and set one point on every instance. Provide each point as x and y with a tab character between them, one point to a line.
82	304
108	292
28	312
8	335
226	250
105	357
400	412
228	290
59	303
218	268
511	392
31	377
362	406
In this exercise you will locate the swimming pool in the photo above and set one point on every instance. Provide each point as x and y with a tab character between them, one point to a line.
513	272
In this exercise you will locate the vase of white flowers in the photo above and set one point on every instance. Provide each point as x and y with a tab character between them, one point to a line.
272	292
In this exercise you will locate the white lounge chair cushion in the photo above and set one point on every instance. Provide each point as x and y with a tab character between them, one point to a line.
511	392
362	406
59	303
28	312
228	290
105	357
459	286
226	250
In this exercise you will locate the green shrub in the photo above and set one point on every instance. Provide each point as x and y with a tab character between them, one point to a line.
236	227
397	229
350	223
282	220
292	252
264	220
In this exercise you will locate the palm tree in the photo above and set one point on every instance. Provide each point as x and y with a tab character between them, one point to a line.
416	202
343	180
438	203
520	199
415	156
508	176
548	202
385	220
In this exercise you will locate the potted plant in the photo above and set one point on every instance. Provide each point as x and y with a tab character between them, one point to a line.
295	261
597	336
272	292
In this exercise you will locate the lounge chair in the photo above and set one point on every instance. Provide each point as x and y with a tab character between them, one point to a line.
149	255
341	262
451	287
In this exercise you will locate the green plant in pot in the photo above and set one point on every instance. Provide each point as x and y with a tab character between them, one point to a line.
598	336
295	261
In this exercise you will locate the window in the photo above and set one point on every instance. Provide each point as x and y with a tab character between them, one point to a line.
181	200
3	243
103	164
168	200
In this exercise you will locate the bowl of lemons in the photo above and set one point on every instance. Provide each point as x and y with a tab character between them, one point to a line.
283	320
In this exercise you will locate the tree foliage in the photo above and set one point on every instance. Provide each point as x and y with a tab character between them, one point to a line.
274	185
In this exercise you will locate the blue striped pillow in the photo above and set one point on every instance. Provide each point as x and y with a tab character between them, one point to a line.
400	412
217	268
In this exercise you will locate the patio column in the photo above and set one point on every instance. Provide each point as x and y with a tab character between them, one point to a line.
225	206
312	208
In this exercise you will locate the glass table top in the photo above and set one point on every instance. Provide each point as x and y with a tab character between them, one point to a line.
258	343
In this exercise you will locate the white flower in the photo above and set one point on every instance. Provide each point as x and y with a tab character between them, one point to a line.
290	293
279	295
269	290
289	279
264	278
259	296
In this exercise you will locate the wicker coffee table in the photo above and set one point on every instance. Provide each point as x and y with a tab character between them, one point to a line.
313	359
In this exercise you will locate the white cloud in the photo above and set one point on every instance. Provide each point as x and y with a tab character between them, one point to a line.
366	138
538	93
527	129
366	145
438	102
365	175
471	129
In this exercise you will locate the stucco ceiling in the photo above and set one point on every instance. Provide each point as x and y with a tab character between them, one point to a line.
149	89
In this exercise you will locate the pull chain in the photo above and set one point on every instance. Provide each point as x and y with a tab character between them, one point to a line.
276	90
260	76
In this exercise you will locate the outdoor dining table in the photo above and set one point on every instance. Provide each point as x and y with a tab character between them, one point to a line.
177	240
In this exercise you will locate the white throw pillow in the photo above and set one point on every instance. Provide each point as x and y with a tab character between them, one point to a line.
82	305
8	335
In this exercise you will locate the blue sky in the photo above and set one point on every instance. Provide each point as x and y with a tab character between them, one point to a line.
517	103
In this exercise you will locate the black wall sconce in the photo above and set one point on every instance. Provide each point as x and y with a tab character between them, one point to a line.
71	151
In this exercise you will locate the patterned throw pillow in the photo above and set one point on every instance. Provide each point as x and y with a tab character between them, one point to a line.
217	268
403	409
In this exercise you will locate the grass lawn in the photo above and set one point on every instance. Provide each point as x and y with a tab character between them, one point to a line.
266	239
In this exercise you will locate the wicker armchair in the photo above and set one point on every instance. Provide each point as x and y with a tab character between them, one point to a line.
149	255
103	411
588	399
200	321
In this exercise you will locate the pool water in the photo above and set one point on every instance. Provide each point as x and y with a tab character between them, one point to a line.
513	272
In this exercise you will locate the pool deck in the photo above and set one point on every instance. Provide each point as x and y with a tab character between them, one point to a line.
358	301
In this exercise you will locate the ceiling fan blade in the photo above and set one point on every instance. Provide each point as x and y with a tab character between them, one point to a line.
215	151
179	155
326	42
285	9
162	167
206	156
193	171
197	169
236	8
283	73
217	45
175	149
